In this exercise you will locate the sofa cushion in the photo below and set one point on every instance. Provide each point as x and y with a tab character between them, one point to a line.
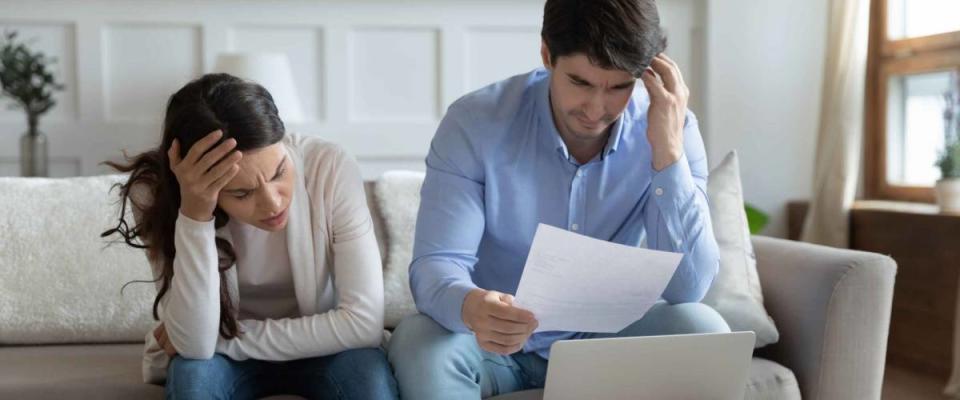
60	282
74	372
113	372
79	372
397	198
735	292
767	381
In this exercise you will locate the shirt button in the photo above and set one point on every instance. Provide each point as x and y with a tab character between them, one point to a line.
659	191
579	173
574	226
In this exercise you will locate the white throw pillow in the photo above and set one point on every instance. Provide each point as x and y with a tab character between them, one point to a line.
59	281
397	194
735	292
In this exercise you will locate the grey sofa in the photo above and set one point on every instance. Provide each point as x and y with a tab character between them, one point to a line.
832	307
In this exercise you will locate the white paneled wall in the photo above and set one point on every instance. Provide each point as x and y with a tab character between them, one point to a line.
374	76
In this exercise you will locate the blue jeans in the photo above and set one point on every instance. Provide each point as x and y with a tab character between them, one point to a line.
352	374
431	362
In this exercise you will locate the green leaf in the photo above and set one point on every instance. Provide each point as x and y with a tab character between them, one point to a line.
756	219
25	76
949	160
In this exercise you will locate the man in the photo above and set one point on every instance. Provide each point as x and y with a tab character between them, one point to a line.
580	145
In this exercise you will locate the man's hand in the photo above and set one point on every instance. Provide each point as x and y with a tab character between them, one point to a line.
668	110
499	326
161	335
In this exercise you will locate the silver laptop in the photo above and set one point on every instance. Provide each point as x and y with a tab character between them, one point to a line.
701	366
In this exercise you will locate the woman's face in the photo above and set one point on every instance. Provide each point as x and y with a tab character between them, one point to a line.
260	193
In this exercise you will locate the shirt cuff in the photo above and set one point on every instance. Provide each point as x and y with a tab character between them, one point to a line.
672	190
451	306
193	225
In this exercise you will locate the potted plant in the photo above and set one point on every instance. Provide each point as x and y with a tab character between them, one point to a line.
26	79
948	187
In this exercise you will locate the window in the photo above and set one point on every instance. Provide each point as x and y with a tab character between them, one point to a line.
914	62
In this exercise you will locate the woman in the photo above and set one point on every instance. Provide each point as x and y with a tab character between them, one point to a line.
262	246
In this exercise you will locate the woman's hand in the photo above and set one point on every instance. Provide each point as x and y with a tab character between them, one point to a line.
161	335
203	174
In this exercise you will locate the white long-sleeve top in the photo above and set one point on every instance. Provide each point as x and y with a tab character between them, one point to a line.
264	276
329	234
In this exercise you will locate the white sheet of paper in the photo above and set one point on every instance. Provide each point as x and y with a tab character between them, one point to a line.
577	283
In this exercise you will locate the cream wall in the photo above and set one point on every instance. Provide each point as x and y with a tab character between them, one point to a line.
376	76
764	79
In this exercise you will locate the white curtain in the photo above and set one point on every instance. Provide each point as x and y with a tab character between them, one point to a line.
840	133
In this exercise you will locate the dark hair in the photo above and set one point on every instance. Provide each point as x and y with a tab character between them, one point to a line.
243	111
613	34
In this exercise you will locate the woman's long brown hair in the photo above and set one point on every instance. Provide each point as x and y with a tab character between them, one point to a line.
241	110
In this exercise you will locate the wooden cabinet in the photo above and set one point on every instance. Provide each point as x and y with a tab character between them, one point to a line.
926	246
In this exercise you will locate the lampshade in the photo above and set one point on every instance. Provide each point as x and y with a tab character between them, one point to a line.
270	70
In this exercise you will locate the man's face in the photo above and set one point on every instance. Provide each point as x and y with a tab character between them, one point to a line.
586	99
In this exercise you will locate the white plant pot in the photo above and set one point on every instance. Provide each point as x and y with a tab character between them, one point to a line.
948	195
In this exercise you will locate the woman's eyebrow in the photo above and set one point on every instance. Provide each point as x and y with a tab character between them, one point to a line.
275	174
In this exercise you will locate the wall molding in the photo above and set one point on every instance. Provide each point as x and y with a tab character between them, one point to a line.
376	75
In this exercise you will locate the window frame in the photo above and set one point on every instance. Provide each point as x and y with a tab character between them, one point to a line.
886	58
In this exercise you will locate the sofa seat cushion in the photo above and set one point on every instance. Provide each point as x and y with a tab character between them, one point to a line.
113	372
767	380
74	372
78	372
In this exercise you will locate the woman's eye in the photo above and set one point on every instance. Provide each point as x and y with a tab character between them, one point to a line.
242	196
279	174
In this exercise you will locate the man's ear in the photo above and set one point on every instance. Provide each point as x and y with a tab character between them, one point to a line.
545	55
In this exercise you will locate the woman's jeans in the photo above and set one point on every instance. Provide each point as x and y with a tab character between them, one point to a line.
352	374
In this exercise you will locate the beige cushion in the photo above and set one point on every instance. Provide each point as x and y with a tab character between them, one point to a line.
113	372
74	372
767	381
397	198
771	381
59	281
78	372
735	292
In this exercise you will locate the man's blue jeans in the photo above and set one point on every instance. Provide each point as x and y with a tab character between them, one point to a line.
352	374
431	362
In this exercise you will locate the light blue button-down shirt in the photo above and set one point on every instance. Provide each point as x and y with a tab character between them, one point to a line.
497	167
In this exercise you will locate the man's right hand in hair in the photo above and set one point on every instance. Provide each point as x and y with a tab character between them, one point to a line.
500	327
201	174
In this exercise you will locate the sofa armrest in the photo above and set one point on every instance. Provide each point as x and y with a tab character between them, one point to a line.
832	308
